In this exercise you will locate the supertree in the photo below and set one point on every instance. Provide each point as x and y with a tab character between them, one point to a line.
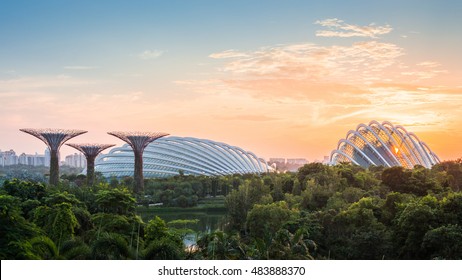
138	141
90	151
54	139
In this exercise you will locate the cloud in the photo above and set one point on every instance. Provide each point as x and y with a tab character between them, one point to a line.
227	54
68	101
313	86
150	54
41	83
429	64
338	28
360	61
425	70
253	118
292	89
79	67
128	97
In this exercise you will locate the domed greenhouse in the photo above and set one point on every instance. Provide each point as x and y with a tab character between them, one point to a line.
383	144
168	156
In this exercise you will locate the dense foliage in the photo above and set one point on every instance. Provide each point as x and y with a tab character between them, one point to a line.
36	173
319	212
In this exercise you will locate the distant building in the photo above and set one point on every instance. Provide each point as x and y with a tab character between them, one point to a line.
34	160
47	157
8	158
297	161
291	164
76	160
278	161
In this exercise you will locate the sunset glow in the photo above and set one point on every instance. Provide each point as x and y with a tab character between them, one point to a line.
279	78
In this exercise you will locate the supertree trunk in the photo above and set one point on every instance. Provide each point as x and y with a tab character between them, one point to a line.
90	171
90	152
138	174
54	139
54	168
138	141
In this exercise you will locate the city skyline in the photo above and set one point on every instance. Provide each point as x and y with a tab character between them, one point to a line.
11	157
278	78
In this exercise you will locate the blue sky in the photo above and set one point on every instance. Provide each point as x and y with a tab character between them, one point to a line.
207	69
50	33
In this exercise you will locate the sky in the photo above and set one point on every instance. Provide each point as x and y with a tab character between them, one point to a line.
278	78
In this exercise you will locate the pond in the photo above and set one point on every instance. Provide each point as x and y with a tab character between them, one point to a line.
207	221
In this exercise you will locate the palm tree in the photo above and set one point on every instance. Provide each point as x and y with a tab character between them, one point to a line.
44	248
219	245
110	246
164	249
75	249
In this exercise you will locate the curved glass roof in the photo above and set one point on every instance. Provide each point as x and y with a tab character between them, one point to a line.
383	144
168	155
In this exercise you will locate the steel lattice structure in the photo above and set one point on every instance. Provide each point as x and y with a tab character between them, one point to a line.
167	156
54	139
383	144
138	141
90	151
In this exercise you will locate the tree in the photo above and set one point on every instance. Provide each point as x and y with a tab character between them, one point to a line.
277	193
164	249
356	233
124	225
291	246
62	197
444	242
396	178
58	221
411	225
116	201
156	229
394	202
239	202
451	207
297	189
162	243
315	196
322	175
110	246
268	218
219	245
44	247
453	170
75	249
287	184
25	190
15	231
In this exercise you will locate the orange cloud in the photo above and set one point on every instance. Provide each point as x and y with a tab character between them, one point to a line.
338	28
316	93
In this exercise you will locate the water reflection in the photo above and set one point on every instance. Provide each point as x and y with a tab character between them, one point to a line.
207	222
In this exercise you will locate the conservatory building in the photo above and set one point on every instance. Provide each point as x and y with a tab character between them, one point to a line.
168	156
383	144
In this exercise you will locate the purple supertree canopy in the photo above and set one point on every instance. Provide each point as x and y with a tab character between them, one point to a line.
90	149
53	137
138	140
